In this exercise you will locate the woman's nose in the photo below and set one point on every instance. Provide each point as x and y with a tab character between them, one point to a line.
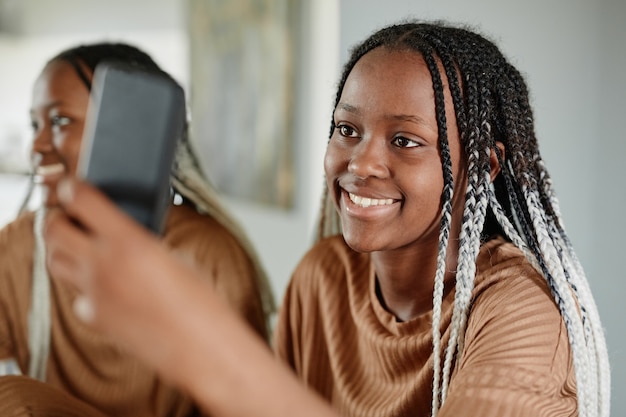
42	142
369	159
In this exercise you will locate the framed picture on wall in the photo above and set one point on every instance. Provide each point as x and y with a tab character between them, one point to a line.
242	96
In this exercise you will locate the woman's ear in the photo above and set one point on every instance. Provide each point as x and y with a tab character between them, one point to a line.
495	164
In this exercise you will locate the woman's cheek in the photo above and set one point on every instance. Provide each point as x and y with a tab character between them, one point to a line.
70	151
333	159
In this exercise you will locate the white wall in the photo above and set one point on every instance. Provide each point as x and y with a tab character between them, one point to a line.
609	193
574	57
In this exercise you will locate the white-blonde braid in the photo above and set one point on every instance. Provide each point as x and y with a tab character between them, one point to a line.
189	180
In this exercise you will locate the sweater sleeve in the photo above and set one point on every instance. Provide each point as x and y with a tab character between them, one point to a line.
6	344
16	246
20	395
517	359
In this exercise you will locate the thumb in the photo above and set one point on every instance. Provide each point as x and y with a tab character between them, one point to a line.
92	209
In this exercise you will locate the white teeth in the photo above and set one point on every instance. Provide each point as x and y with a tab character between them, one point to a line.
45	170
368	202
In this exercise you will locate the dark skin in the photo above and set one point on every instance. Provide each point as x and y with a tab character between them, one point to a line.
383	165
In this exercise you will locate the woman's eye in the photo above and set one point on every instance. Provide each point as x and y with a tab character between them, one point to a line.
60	121
403	142
347	131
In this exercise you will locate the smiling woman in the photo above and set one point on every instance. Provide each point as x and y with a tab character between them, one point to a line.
447	216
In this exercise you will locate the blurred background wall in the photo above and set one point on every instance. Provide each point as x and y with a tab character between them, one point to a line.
572	52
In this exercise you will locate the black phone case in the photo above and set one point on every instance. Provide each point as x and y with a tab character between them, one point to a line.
134	121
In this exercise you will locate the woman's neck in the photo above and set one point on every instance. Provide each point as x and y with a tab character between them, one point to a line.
405	279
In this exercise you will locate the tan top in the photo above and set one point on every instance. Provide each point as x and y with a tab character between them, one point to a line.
333	331
84	363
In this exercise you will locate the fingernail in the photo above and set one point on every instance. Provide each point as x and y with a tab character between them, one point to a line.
65	190
83	309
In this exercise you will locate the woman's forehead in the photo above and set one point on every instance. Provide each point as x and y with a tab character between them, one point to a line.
58	82
395	78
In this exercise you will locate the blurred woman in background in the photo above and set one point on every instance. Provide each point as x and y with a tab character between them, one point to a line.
79	369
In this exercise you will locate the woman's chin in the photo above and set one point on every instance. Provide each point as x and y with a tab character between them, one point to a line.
361	243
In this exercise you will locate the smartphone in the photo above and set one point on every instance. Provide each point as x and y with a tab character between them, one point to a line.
134	120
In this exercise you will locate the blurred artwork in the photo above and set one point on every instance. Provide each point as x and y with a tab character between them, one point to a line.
242	96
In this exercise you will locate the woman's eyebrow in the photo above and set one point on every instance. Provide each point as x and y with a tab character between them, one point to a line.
47	106
403	117
411	118
408	118
348	107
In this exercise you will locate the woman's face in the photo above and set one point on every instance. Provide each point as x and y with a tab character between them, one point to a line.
58	111
383	163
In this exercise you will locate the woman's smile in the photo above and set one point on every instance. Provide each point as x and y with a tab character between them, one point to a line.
368	202
49	171
368	208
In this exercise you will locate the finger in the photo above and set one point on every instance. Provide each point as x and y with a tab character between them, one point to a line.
93	209
67	249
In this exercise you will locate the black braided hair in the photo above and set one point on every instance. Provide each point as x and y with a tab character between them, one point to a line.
491	105
93	54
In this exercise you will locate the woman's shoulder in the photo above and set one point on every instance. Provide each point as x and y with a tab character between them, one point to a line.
515	335
21	221
18	233
507	281
500	261
16	260
512	298
188	229
186	220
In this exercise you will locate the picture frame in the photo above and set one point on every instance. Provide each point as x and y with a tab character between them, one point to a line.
242	96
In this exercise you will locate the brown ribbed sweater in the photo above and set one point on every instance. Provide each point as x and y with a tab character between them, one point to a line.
333	331
84	364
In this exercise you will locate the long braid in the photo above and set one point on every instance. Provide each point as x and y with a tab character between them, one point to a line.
445	226
469	239
188	180
595	333
571	318
545	200
473	217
